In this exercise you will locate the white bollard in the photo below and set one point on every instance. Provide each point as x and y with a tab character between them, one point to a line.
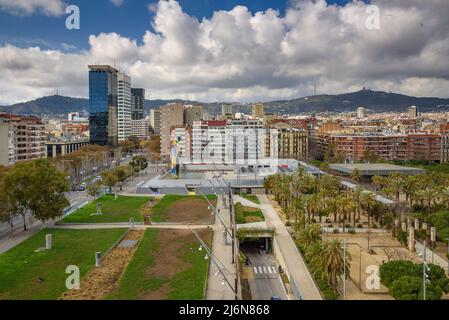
48	241
433	234
97	259
416	224
131	223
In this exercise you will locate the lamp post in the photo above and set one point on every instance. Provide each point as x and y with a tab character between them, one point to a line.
220	266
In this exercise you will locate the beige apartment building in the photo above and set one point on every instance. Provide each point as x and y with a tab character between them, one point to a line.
172	115
26	137
292	143
258	111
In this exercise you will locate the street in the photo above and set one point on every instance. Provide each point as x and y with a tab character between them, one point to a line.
267	282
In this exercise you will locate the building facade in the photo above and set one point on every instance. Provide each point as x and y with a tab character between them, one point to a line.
137	103
172	115
124	106
103	105
258	111
140	128
6	143
192	113
28	136
155	121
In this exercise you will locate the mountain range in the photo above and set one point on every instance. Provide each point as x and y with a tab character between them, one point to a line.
374	101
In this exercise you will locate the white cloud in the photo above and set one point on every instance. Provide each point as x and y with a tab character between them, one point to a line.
27	7
117	3
239	56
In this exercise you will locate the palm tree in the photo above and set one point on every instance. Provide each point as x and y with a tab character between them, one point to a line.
367	201
380	182
428	195
355	175
332	261
409	187
309	235
395	184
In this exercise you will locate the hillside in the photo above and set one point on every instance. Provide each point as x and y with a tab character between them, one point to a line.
374	101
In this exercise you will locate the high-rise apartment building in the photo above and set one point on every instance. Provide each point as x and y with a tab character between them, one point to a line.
227	111
258	111
124	106
413	112
192	113
103	105
26	138
360	112
155	121
137	103
172	115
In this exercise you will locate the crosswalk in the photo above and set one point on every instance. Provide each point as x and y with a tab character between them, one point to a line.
265	270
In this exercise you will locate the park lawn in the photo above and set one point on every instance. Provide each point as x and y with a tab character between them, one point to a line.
251	198
245	214
180	208
20	267
167	265
120	210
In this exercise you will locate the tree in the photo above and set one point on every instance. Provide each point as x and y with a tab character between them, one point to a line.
93	188
109	179
406	288
6	214
355	175
122	174
332	259
36	187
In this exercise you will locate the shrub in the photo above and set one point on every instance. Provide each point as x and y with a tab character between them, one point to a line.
348	226
351	231
374	226
336	231
360	226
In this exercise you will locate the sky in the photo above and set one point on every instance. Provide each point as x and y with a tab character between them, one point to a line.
226	50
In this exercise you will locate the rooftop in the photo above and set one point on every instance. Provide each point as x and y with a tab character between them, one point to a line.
375	169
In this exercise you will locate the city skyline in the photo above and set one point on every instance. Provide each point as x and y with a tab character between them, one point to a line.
224	52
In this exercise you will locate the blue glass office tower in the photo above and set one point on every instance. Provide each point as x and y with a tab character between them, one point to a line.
103	104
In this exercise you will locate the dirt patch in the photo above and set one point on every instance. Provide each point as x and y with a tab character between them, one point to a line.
99	282
190	210
168	261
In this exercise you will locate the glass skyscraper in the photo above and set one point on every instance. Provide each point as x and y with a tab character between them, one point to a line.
103	105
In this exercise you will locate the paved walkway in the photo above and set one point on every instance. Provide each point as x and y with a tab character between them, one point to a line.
215	289
300	277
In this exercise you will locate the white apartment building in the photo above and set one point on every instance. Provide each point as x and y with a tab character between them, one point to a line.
208	141
124	107
228	142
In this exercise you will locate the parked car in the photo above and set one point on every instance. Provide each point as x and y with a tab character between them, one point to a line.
75	188
276	298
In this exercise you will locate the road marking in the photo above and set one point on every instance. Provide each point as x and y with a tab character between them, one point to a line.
264	269
274	269
260	270
255	270
269	270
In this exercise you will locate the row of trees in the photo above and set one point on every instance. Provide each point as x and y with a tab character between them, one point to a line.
427	195
306	199
118	175
35	188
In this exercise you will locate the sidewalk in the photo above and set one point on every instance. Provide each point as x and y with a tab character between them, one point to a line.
215	290
300	276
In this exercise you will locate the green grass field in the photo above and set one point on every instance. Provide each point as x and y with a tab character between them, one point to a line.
251	198
188	283
245	214
120	210
20	267
160	211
